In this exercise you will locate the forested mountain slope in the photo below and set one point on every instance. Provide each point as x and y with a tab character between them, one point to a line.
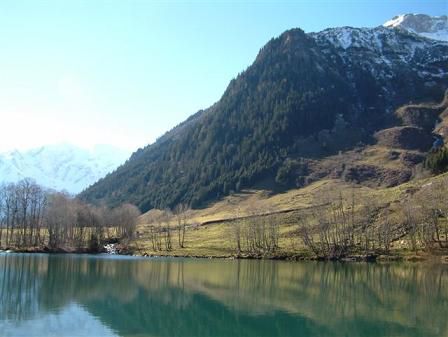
306	97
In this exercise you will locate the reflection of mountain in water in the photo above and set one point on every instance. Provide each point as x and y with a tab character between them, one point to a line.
178	297
70	321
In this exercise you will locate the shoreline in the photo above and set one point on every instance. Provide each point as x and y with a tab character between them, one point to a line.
303	258
47	250
371	258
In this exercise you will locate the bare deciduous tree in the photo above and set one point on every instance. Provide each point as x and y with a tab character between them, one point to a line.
125	218
32	217
181	212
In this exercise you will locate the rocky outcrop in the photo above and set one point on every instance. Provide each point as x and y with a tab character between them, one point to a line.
432	27
376	176
405	137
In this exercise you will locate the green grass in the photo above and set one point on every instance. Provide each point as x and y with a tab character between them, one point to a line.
215	239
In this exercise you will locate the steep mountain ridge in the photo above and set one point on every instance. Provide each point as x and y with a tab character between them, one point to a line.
432	27
388	61
61	166
305	97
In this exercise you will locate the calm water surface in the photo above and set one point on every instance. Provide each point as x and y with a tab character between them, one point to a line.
72	295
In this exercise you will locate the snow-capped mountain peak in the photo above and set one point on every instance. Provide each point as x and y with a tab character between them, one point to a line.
61	166
432	27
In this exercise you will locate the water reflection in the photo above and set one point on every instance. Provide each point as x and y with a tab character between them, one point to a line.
72	320
180	297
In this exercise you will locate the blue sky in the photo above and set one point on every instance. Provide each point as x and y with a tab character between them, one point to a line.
124	72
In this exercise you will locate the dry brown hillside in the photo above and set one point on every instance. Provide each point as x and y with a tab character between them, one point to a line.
209	231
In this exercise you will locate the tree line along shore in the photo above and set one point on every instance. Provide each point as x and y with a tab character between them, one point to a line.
341	224
34	219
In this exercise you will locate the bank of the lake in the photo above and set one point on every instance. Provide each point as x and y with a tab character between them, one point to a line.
398	256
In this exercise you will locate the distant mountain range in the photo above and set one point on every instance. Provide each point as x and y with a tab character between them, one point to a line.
62	166
306	98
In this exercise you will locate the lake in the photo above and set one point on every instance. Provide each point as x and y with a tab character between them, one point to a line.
82	295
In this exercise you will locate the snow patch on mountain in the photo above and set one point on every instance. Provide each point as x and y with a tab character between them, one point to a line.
385	55
395	21
431	27
379	40
383	51
61	166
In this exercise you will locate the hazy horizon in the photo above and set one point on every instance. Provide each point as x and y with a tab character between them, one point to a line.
124	72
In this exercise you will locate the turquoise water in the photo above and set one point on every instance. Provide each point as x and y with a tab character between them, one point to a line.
74	295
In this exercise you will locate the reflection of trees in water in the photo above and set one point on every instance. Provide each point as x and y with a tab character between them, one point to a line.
80	279
394	294
30	283
147	295
160	277
19	286
334	294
